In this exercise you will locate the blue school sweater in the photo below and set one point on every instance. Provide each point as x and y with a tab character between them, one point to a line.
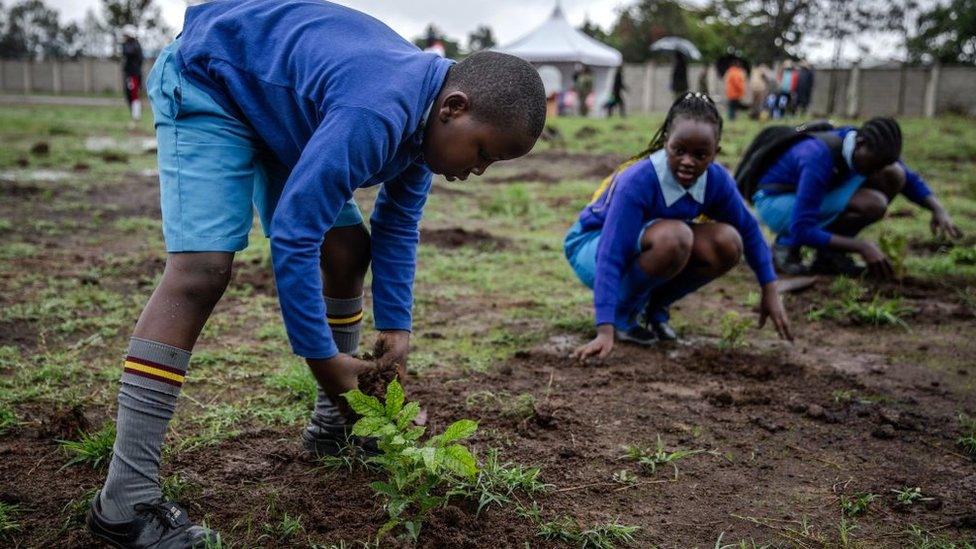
807	169
339	98
646	191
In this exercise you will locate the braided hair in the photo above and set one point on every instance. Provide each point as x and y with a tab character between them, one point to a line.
883	136
693	105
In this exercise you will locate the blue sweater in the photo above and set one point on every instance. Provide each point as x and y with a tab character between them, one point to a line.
339	98
639	196
807	168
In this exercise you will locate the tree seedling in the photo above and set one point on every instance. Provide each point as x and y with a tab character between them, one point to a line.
414	470
734	328
856	505
908	496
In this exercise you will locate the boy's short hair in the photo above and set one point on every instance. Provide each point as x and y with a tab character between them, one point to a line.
883	136
505	91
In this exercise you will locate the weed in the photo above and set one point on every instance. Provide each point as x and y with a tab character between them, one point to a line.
413	470
743	544
297	380
963	255
94	449
923	539
603	536
625	477
521	406
8	418
513	201
895	246
849	304
857	505
968	440
8	519
282	531
734	328
651	459
845	529
177	488
908	496
497	482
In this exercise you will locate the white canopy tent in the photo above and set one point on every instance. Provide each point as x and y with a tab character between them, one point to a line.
558	50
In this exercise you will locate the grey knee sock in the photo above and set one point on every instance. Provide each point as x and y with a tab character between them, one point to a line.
151	383
346	322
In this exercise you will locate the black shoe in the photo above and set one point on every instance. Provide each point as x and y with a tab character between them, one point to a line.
326	440
158	525
831	262
663	331
788	260
638	335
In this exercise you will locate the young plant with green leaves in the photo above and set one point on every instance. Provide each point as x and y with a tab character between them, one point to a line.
895	246
417	473
857	504
734	328
968	439
8	519
651	459
570	531
908	495
497	483
849	304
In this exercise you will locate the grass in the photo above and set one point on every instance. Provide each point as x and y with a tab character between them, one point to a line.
568	530
857	504
8	519
652	458
967	441
92	449
77	313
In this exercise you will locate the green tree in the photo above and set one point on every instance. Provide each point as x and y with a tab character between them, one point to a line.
32	30
762	31
640	25
481	38
145	15
946	33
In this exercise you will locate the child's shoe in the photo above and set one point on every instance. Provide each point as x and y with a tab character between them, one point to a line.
788	260
157	525
662	330
638	335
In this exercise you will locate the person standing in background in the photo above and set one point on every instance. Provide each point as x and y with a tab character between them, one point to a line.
735	88
132	72
584	87
759	88
616	95
679	75
804	88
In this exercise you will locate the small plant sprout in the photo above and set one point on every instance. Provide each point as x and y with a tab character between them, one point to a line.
625	477
968	440
908	496
603	536
963	255
651	459
857	504
414	471
94	449
734	328
8	521
895	246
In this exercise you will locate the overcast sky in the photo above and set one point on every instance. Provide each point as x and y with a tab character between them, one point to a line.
509	19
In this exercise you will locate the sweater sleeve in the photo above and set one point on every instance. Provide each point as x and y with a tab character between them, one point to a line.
348	147
395	234
815	173
915	188
730	208
617	243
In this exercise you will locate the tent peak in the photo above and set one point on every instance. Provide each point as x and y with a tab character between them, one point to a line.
557	12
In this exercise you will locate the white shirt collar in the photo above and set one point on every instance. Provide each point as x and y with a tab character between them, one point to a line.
850	141
671	190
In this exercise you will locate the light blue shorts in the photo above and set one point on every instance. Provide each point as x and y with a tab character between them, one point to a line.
580	247
776	209
212	167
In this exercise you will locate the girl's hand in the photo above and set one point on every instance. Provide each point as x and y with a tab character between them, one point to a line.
942	225
600	347
771	306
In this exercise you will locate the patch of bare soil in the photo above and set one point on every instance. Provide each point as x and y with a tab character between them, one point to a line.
458	237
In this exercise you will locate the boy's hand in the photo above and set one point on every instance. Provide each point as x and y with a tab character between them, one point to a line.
391	348
338	375
771	306
942	225
878	264
600	347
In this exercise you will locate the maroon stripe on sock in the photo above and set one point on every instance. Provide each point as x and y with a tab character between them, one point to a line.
347	315
153	377
145	362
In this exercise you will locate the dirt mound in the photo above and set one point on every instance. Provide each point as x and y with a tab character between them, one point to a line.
586	132
457	237
10	188
762	367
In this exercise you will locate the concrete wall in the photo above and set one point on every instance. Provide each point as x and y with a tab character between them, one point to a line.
56	77
913	91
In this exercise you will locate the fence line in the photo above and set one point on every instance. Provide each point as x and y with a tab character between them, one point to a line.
856	92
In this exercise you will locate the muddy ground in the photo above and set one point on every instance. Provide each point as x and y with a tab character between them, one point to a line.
787	430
